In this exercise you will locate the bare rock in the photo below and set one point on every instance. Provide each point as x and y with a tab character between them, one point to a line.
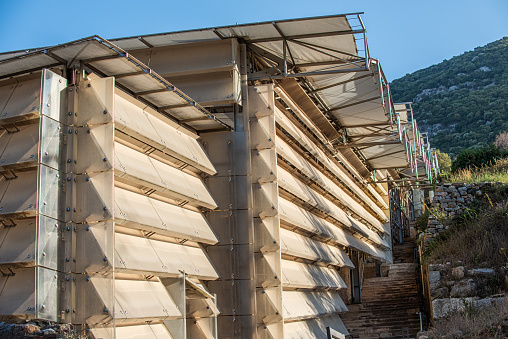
444	307
462	289
481	271
31	328
458	272
434	277
440	293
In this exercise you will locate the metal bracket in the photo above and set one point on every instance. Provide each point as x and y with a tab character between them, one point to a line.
11	274
10	178
12	132
12	224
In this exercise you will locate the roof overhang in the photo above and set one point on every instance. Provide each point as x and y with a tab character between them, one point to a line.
132	76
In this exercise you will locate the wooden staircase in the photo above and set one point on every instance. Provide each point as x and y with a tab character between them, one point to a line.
390	305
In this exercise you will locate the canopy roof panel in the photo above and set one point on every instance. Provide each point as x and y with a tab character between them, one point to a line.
106	59
331	32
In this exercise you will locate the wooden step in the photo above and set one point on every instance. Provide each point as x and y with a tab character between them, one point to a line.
390	303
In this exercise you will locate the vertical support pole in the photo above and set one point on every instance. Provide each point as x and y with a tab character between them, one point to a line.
93	211
53	192
176	289
231	187
266	217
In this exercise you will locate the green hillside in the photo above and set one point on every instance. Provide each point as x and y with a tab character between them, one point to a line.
461	102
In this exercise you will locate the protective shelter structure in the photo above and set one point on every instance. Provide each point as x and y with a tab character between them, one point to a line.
248	211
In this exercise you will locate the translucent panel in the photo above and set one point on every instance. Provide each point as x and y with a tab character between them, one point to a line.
302	247
201	328
160	217
22	149
313	198
94	299
116	66
24	103
313	149
17	293
51	195
95	101
202	230
141	83
133	121
5	137
17	243
103	332
184	184
136	210
161	177
146	256
20	196
297	217
94	247
51	145
138	256
136	166
181	145
141	299
5	93
314	328
300	305
95	197
53	96
199	155
192	260
48	240
299	275
47	290
202	265
156	331
95	148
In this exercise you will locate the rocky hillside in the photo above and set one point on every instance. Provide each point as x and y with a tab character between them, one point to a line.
461	102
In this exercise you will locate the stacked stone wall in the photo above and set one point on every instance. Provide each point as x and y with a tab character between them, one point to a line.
450	200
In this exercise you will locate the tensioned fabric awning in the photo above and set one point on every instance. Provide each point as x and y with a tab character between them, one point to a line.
345	92
132	76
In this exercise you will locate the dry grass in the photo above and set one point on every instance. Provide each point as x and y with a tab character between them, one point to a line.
477	238
490	322
496	172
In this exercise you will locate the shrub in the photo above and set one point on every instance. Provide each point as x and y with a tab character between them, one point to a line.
478	157
444	161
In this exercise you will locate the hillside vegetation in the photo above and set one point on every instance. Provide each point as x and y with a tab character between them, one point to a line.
461	102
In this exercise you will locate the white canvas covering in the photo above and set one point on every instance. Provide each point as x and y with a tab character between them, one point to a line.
142	299
138	167
309	222
299	275
267	36
314	328
313	149
308	195
146	331
300	305
313	173
133	120
144	213
139	255
106	59
299	246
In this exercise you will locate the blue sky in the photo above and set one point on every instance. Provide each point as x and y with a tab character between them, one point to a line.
405	35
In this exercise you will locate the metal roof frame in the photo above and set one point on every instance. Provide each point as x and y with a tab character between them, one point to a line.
94	53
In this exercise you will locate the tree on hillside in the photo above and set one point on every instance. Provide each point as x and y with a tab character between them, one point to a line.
477	157
445	162
502	140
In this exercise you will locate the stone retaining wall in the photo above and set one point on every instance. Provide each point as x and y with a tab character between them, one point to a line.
452	199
